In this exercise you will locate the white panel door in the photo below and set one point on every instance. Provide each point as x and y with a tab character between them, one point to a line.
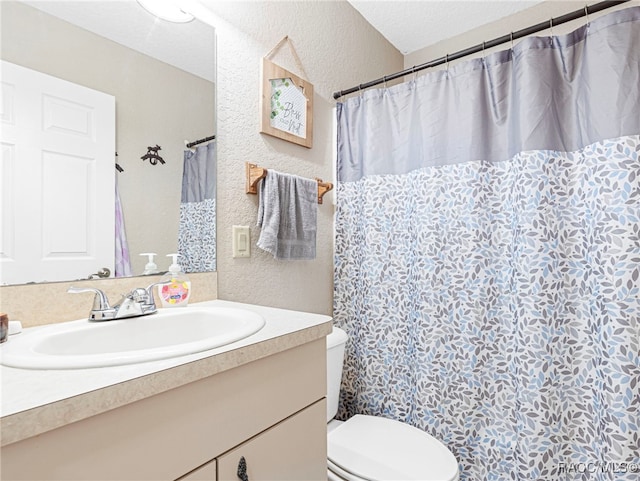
57	177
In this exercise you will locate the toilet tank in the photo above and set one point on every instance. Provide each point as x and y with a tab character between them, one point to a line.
335	357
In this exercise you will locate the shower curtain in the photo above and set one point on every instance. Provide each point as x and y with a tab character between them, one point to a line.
122	260
487	256
197	229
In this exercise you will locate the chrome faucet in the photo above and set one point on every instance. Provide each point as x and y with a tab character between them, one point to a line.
138	302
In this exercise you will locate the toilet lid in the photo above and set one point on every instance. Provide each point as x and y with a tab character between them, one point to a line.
377	449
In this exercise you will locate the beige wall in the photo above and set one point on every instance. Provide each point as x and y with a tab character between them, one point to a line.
337	49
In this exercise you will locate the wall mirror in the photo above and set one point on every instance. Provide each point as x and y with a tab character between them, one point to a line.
162	77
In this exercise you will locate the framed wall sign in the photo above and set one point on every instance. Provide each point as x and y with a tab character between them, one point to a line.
286	105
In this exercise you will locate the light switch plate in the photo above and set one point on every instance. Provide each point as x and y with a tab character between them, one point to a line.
241	238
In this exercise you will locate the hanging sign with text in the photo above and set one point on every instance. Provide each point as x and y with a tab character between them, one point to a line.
286	105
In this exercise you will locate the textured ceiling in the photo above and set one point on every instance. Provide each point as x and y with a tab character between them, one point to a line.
413	25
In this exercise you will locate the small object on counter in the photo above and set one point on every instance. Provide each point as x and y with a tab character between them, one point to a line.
174	288
4	326
150	267
15	327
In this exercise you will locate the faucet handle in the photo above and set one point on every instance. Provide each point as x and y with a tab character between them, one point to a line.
138	294
100	301
149	292
143	295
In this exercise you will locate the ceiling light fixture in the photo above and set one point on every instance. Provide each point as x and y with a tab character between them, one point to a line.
166	10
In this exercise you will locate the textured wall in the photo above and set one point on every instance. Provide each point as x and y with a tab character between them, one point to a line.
337	49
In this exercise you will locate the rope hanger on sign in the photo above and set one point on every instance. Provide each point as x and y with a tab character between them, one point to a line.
296	59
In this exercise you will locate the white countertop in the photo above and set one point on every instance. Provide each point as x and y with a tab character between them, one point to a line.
36	401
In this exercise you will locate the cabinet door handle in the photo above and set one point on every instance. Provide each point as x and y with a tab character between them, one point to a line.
242	469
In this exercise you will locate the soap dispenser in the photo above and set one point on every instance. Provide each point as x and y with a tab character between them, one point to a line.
174	289
150	267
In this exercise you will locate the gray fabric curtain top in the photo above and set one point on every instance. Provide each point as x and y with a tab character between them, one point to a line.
508	102
199	174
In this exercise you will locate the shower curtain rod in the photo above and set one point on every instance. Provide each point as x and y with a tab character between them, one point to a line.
597	7
200	141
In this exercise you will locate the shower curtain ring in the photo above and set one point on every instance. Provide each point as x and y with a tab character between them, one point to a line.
551	29
586	14
384	82
415	74
511	35
446	60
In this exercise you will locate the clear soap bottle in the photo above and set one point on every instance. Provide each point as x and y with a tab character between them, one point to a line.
174	289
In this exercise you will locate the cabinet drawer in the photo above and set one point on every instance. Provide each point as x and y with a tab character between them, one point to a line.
294	449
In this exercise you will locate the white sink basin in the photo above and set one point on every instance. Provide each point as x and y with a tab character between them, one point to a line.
168	333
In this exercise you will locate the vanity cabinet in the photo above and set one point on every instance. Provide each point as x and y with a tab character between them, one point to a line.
271	410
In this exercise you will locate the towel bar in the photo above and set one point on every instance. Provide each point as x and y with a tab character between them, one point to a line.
255	173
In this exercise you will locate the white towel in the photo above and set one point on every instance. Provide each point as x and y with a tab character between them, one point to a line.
287	214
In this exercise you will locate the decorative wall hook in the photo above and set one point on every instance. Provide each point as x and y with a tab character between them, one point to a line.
118	166
153	156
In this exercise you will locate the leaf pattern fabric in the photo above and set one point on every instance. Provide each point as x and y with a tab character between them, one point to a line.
496	305
197	236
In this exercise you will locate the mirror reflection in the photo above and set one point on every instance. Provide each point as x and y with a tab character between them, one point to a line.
160	77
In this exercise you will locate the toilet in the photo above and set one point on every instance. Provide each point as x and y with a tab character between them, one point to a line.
371	448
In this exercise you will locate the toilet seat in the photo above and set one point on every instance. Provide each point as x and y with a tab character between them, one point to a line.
371	448
336	473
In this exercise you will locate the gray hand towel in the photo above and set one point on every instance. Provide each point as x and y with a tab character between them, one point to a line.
287	214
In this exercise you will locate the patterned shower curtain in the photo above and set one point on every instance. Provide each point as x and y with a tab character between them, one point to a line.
197	229
487	264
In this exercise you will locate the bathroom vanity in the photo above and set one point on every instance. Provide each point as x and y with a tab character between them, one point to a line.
260	400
